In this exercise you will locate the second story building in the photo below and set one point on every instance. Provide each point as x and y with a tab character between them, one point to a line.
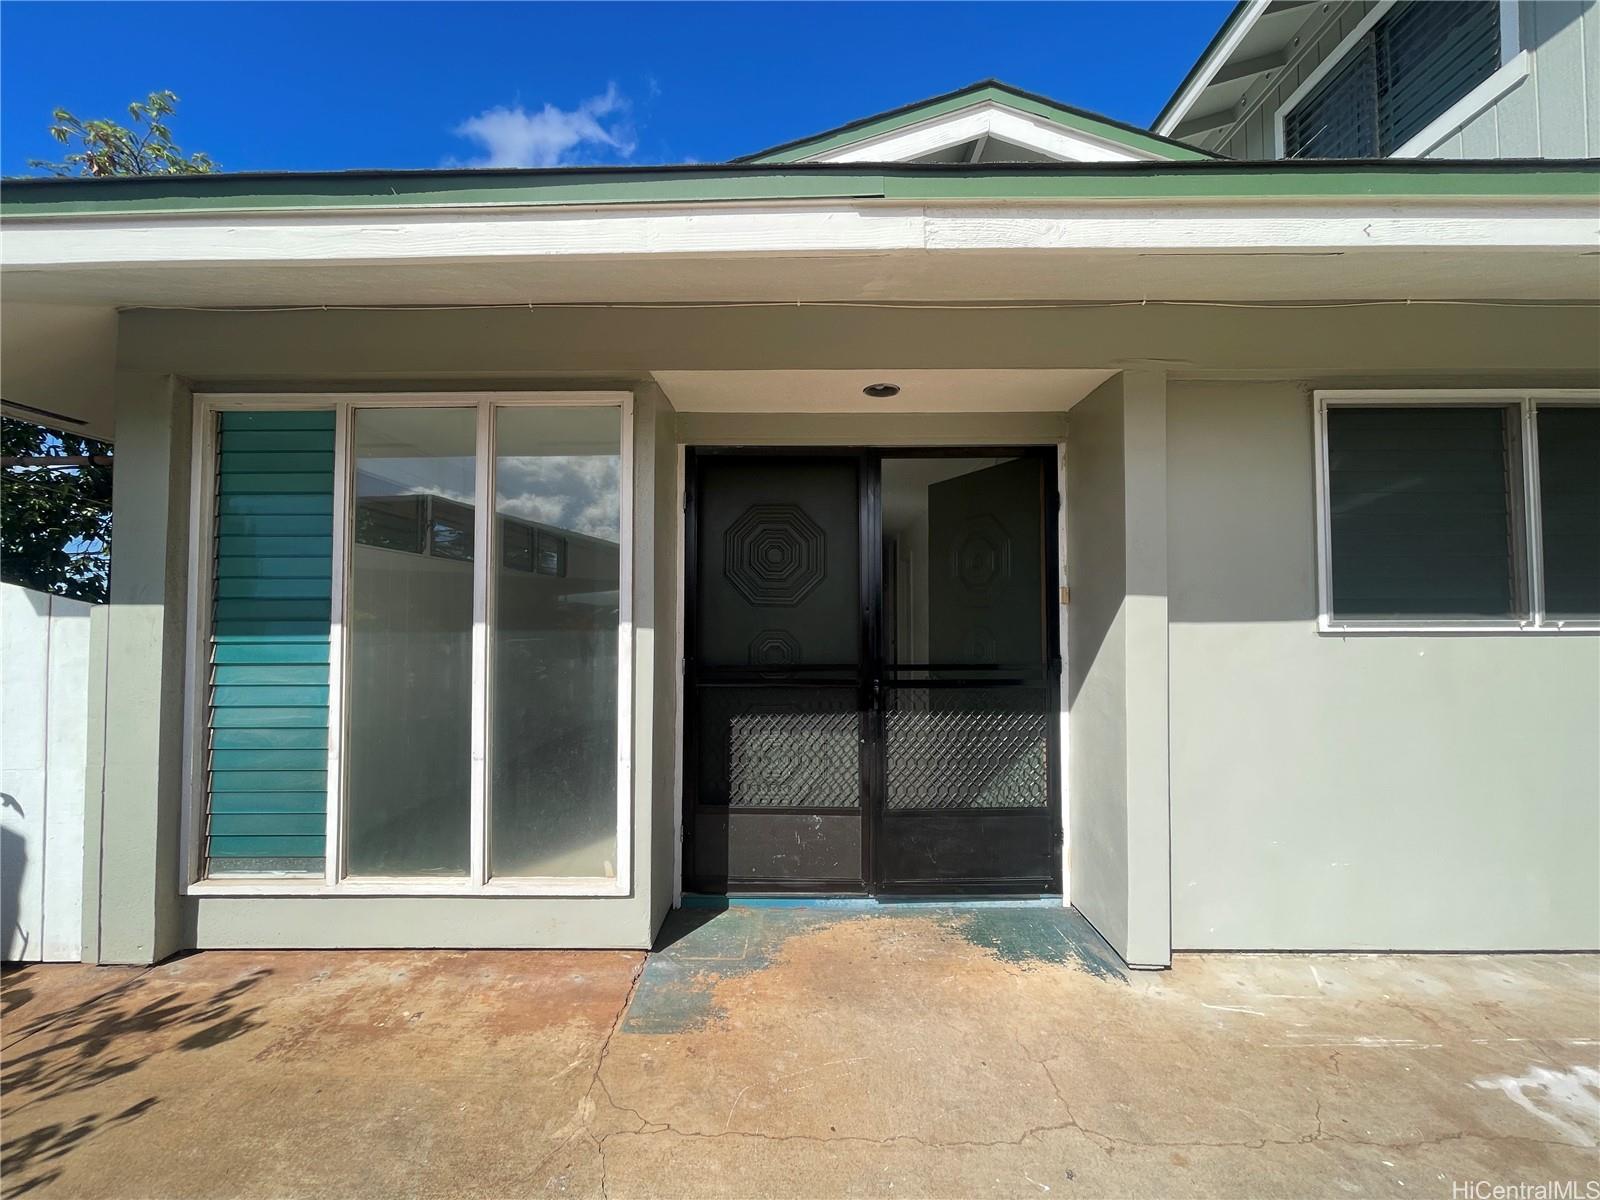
1463	79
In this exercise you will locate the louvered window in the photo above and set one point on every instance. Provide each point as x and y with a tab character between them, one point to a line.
1569	499
1422	516
1416	62
1460	509
267	713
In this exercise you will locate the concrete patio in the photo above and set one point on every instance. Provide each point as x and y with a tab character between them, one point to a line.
895	1050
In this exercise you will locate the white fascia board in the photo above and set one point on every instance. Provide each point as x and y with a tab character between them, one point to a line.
821	229
986	118
1214	63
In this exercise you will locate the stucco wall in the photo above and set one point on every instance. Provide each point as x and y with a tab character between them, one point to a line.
1094	689
1231	708
1354	792
1553	113
1116	664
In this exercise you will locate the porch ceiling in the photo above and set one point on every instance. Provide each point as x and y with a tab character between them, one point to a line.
987	390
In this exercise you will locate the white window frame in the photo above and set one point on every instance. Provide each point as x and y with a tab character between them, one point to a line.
1515	66
1527	403
334	881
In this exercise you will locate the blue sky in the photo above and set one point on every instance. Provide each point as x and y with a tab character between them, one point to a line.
327	86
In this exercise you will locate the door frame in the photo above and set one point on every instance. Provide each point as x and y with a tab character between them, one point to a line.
870	601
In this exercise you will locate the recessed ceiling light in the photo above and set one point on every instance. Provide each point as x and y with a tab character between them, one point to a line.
879	391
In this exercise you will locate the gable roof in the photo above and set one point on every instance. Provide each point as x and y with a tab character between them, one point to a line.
992	94
1258	39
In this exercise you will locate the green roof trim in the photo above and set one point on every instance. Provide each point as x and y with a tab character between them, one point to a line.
1079	119
929	183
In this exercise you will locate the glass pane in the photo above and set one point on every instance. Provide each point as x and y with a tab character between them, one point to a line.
1420	512
962	561
410	629
1569	503
553	668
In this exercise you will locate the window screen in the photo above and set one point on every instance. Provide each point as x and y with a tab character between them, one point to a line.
1569	509
1413	65
1421	513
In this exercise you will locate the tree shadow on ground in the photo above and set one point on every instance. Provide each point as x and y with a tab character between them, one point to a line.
79	1047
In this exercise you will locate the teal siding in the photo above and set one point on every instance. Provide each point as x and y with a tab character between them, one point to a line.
271	602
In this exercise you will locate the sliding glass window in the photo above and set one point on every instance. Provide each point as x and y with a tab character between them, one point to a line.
414	616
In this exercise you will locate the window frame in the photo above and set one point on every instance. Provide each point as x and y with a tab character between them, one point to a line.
1529	543
202	532
1516	64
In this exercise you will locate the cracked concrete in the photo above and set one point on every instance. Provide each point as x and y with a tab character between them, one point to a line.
896	1051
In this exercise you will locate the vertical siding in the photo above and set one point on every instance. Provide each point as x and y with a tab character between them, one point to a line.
44	710
1480	137
271	606
1554	113
1255	137
1554	29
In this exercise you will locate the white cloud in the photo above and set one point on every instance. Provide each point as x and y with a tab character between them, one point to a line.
577	492
550	137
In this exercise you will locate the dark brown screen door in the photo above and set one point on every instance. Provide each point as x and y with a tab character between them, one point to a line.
966	800
774	679
870	672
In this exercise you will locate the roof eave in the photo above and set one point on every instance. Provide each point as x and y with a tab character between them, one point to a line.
1239	22
803	182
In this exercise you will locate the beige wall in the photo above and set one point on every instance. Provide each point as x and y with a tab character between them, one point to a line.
1355	791
1115	688
1452	772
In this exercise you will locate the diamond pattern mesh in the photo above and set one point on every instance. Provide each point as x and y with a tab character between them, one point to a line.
778	751
966	748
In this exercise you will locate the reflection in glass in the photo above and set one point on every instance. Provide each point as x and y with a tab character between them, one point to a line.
410	632
553	649
962	580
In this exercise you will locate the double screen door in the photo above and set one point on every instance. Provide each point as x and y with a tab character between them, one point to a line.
871	672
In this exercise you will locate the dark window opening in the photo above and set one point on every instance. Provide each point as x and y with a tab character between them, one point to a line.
1424	520
1410	67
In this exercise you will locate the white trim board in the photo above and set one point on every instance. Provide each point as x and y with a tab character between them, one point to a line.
984	119
333	882
828	228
